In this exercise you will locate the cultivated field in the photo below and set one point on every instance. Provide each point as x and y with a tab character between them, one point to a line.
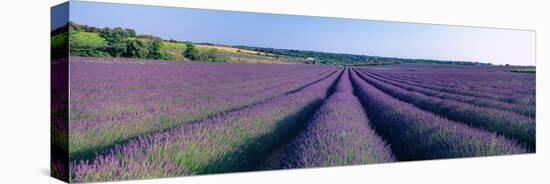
133	119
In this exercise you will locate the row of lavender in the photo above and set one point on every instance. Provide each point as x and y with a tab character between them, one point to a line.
283	117
415	134
232	141
428	89
506	119
486	82
117	100
338	134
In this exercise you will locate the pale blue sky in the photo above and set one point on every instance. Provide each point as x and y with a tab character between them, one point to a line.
376	38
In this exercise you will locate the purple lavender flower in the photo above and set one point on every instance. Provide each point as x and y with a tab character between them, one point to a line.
338	134
415	134
232	141
506	123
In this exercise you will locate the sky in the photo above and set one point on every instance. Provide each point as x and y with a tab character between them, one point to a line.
337	35
59	15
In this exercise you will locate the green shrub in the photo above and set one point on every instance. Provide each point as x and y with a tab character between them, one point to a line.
191	52
156	51
136	48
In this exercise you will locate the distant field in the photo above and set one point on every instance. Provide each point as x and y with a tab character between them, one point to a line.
135	118
232	50
87	39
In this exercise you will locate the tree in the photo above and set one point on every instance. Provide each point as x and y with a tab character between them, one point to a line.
191	52
130	32
136	48
74	27
155	50
115	41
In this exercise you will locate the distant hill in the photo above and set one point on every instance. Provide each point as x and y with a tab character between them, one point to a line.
122	42
352	59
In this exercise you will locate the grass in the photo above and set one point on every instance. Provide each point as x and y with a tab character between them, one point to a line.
87	39
174	46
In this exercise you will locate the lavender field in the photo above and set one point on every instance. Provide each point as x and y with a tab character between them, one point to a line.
136	118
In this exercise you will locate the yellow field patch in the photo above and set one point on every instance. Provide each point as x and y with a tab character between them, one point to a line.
231	49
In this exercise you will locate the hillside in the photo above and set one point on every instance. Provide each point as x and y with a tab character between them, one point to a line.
120	42
352	59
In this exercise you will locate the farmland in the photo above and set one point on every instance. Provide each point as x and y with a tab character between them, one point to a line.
137	118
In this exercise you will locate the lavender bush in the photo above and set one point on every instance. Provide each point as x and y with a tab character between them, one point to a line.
116	100
523	109
135	119
415	134
509	124
338	134
233	141
485	82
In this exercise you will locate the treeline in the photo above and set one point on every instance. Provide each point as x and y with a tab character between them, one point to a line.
372	63
524	70
429	61
119	42
351	59
124	42
128	32
320	57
